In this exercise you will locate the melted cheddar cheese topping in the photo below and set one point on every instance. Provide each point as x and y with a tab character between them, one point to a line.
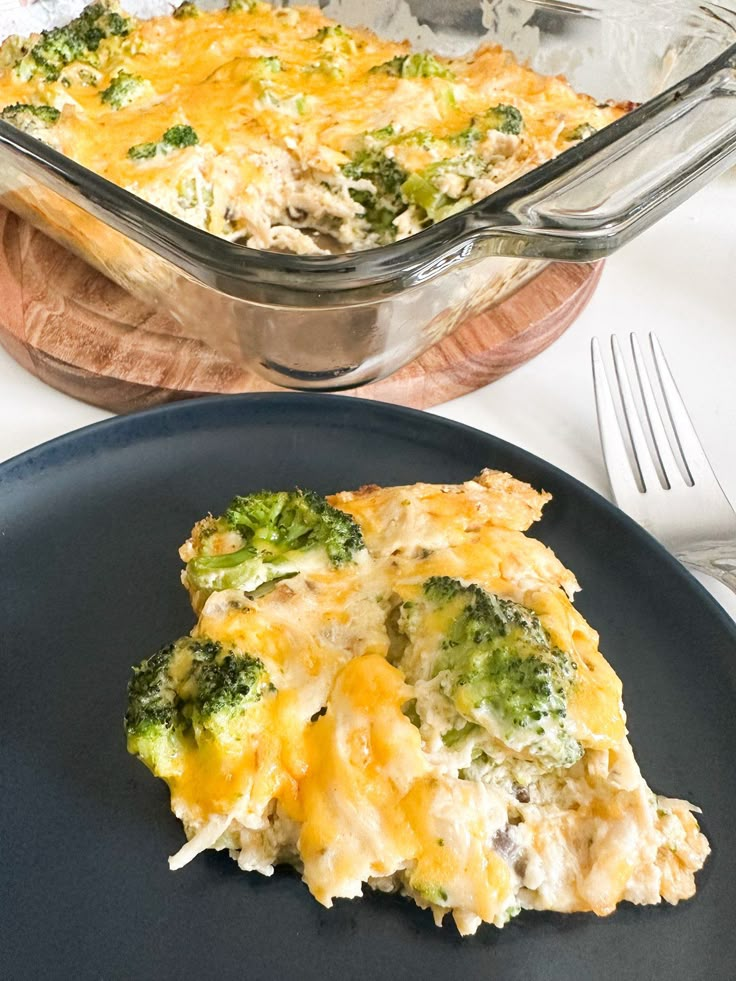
283	129
437	719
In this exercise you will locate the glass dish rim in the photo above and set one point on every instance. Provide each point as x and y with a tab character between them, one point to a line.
206	256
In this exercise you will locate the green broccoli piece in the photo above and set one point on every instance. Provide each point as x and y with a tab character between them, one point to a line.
497	664
192	693
25	116
416	137
455	736
430	892
235	6
179	136
442	590
79	40
506	119
335	40
186	10
379	137
143	151
510	912
264	537
37	121
124	89
413	66
468	137
330	31
192	192
581	132
418	189
503	118
423	188
382	204
175	138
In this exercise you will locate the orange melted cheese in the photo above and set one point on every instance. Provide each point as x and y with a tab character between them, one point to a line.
212	781
363	755
371	804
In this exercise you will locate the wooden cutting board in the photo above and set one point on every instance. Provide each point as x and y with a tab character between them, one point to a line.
79	332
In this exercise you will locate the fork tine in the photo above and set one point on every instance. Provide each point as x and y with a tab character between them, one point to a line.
649	476
667	459
618	466
687	439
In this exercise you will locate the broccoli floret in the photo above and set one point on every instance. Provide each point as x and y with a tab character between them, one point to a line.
497	664
235	6
124	89
413	66
144	151
186	10
418	189
576	133
506	119
503	118
443	589
423	189
264	537
37	120
21	115
78	40
179	136
468	137
416	137
382	204
379	137
191	693
331	31
175	138
335	40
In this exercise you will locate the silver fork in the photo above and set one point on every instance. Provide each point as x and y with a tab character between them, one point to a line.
680	503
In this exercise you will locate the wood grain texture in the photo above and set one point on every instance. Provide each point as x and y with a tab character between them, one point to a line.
79	332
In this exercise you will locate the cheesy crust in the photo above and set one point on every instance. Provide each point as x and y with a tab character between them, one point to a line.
282	129
376	756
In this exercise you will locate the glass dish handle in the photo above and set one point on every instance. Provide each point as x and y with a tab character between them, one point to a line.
594	198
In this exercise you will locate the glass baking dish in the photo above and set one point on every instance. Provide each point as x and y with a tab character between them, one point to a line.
338	321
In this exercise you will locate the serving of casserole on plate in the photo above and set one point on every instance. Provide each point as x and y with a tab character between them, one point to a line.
391	687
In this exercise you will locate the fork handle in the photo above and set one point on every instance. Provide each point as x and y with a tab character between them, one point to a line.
717	559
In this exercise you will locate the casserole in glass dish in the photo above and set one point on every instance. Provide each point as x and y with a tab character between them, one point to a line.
337	321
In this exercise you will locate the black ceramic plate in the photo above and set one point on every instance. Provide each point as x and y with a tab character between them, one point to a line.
89	530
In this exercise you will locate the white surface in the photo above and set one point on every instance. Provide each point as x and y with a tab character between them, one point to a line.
676	279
